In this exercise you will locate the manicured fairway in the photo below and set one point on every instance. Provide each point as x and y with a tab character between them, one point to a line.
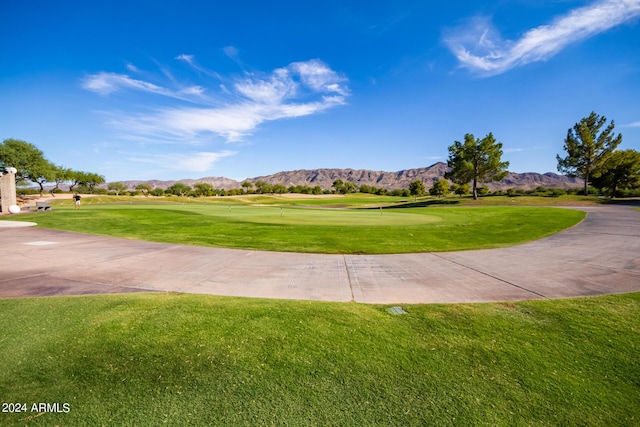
293	229
171	359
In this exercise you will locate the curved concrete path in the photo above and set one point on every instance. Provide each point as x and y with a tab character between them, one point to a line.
601	255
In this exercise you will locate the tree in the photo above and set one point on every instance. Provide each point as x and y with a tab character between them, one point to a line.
338	185
61	175
477	160
279	189
20	155
247	186
364	188
144	188
262	187
416	188
462	189
203	189
91	179
178	189
43	173
349	187
117	187
621	170
28	160
76	177
588	148
440	188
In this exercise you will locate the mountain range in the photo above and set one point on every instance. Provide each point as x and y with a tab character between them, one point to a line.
389	180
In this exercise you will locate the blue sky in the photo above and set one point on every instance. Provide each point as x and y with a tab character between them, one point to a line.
185	89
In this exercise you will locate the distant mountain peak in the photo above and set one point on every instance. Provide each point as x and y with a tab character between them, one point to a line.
325	177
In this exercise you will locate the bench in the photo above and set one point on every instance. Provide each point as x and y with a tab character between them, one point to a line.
43	206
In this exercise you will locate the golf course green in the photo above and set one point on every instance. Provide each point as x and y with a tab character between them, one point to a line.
314	229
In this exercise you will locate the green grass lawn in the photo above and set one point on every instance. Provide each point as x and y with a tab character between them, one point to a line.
177	359
296	229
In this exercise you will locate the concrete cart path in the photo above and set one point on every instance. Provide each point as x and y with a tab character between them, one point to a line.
601	255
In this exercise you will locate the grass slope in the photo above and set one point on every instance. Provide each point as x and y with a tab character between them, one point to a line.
369	231
156	359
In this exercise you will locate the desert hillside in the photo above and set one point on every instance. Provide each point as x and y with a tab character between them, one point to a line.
389	180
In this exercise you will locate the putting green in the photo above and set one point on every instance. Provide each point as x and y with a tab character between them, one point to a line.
319	217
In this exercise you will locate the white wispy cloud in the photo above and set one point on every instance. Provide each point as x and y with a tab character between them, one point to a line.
106	83
299	89
231	52
479	47
191	61
632	125
319	77
186	58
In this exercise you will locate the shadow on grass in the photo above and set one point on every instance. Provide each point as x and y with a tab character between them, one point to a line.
420	204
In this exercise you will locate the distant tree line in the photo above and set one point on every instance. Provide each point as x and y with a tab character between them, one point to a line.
260	187
440	188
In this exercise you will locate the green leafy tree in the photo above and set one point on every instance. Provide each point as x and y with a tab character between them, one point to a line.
91	180
61	175
203	189
382	191
364	188
476	160
462	189
440	188
300	189
588	148
29	161
117	187
279	189
20	155
262	187
75	178
621	170
416	188
46	172
178	189
247	186
144	189
349	187
157	192
338	185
